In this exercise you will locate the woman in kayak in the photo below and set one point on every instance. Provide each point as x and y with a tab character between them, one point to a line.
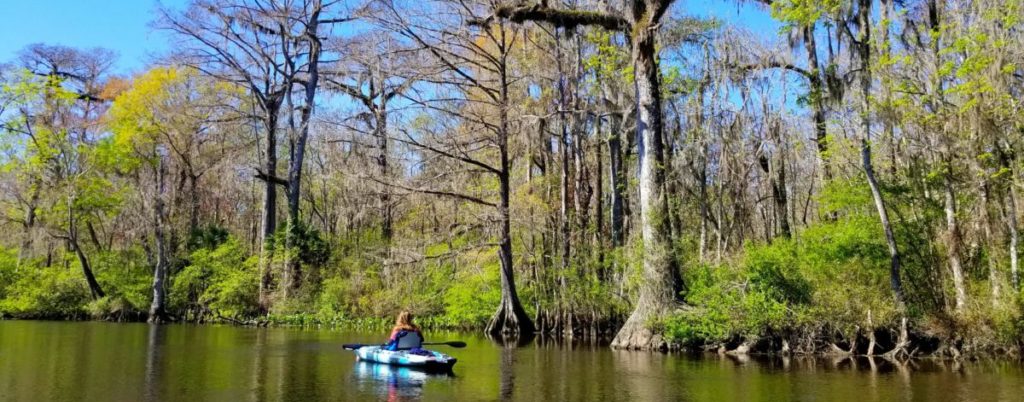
405	334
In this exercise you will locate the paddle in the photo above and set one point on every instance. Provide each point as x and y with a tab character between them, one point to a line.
454	344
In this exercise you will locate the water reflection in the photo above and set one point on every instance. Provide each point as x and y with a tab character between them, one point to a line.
258	390
507	362
45	361
395	382
507	373
154	356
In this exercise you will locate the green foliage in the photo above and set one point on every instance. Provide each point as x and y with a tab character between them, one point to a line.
127	279
49	292
774	272
835	274
473	296
223	281
305	241
8	269
845	195
331	303
207	236
113	307
729	303
804	12
610	61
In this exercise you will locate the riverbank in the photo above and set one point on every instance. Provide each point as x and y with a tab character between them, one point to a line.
825	292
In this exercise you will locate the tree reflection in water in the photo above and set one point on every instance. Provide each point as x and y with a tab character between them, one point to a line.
154	360
506	367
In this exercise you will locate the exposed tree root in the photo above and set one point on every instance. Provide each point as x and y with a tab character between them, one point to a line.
637	334
902	343
742	349
510	319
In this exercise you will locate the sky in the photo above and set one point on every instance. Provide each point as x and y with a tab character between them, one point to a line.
123	25
119	25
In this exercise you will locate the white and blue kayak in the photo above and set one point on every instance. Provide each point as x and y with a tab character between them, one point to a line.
414	358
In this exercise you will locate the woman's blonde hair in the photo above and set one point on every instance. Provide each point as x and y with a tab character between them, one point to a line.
404	321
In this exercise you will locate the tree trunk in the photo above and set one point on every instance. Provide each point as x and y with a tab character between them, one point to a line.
776	172
702	178
865	151
510	318
986	222
616	180
380	129
193	210
94	287
30	222
269	224
1011	224
702	174
1009	162
157	309
675	220
779	192
953	237
582	191
306	114
817	104
890	129
563	150
661	283
293	273
599	203
93	236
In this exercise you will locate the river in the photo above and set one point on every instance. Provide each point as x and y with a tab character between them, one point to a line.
97	361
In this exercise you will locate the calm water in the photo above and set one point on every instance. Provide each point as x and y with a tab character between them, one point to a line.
90	361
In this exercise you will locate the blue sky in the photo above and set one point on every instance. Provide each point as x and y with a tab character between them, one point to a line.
120	25
123	25
754	17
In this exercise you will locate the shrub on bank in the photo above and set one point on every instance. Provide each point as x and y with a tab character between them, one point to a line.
223	281
472	298
8	269
832	276
127	278
46	292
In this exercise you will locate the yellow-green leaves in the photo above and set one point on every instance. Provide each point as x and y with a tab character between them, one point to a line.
609	61
138	115
802	13
162	107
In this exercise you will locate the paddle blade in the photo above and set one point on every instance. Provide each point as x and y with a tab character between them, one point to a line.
454	344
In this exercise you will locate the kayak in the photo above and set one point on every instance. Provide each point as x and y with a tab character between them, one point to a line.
418	358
